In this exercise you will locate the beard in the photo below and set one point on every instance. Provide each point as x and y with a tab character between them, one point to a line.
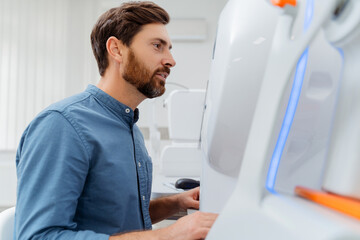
142	78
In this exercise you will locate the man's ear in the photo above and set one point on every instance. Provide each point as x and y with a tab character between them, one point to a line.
115	49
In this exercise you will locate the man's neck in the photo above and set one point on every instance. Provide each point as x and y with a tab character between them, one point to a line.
121	90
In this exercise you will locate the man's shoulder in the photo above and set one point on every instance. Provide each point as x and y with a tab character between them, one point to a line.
75	101
70	108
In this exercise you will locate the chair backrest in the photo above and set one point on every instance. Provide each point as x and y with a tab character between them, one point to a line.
7	224
185	114
183	157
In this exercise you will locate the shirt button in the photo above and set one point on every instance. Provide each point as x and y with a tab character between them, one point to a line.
143	197
139	164
127	110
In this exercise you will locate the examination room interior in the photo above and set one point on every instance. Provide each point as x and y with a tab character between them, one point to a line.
262	106
46	56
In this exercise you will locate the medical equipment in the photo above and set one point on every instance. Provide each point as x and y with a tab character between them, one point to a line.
342	175
182	157
269	114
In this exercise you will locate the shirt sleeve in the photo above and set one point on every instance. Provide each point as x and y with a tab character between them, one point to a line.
52	164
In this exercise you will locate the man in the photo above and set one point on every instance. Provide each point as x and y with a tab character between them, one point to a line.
83	170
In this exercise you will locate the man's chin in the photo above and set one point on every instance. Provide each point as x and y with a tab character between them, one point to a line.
155	93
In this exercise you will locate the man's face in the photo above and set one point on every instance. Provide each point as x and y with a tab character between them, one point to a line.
145	80
149	60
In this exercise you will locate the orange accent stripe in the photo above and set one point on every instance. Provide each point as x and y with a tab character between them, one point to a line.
282	3
342	204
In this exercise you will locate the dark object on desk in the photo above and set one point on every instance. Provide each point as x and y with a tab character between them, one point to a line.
187	183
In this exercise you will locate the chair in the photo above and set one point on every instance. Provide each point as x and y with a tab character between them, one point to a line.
7	218
182	158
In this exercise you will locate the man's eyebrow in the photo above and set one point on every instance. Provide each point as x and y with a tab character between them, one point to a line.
163	42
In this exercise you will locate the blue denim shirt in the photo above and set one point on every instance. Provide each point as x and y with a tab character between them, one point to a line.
83	171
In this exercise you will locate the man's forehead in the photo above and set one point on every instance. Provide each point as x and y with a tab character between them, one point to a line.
155	32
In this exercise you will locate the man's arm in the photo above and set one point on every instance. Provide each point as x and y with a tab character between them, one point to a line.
191	227
52	166
165	207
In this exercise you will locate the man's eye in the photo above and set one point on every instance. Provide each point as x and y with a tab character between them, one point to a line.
157	45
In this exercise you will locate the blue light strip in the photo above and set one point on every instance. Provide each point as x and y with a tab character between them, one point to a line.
309	14
291	108
288	119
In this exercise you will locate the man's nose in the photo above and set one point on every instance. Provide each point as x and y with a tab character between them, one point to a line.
169	61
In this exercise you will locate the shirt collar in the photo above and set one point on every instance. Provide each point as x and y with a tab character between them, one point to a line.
119	108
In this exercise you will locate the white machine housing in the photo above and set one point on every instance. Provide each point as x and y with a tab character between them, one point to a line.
239	57
254	65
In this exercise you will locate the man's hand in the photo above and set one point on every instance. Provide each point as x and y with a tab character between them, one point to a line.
189	199
191	227
165	207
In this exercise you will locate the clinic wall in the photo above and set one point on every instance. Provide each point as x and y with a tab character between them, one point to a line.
33	67
43	59
45	55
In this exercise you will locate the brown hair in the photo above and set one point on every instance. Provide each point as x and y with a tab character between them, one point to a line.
124	23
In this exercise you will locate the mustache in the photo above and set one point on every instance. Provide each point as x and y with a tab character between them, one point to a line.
163	69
